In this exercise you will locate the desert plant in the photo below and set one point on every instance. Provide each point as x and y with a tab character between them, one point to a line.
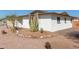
33	22
41	30
12	20
4	32
47	45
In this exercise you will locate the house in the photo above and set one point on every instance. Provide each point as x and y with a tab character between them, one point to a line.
75	24
48	21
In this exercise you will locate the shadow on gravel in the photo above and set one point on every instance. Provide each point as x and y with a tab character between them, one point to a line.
74	35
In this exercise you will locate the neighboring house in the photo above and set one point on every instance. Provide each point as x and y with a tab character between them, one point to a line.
75	24
48	21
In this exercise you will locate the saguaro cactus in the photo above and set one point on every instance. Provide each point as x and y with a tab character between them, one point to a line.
33	22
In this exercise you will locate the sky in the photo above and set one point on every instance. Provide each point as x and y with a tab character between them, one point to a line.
4	13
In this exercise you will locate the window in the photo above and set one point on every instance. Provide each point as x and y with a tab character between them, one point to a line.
71	20
52	17
65	20
58	20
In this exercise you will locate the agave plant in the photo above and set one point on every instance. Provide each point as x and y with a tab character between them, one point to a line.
33	22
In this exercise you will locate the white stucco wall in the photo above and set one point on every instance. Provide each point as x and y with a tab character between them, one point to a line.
49	23
45	23
18	24
25	23
62	25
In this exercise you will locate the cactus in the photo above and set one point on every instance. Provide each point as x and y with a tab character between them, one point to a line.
33	22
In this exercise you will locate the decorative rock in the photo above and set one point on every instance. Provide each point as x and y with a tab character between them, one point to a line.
41	37
17	32
49	36
20	35
29	36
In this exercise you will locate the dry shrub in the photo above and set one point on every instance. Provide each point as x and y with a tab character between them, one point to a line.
13	30
47	45
4	32
41	30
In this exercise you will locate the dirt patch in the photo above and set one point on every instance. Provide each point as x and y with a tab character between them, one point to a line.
36	35
35	40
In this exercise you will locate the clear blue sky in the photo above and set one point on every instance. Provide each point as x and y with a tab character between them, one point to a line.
4	13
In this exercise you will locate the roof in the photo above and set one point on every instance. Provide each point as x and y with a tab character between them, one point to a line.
38	11
43	12
65	13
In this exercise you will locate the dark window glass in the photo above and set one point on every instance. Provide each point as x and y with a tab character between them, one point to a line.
71	20
58	20
65	20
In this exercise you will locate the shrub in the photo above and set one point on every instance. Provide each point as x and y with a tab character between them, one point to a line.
4	32
47	45
13	29
41	30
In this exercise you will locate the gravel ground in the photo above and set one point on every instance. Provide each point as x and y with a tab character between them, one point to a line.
58	40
